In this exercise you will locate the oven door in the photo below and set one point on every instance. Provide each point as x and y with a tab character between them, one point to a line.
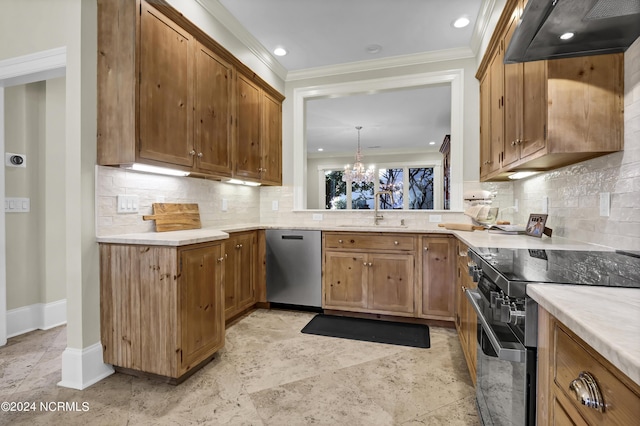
501	368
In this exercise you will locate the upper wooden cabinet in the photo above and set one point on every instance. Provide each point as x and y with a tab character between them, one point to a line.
546	114
169	95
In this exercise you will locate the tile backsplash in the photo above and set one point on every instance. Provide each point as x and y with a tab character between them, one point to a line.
243	202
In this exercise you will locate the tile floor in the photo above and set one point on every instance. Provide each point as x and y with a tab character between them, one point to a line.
267	374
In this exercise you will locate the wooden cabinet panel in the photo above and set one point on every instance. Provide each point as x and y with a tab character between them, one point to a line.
438	283
200	295
345	280
213	100
248	149
562	356
369	241
465	317
241	252
496	112
271	140
513	87
391	282
161	308
485	125
166	89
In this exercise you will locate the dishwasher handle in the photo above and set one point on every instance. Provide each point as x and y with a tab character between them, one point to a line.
513	352
292	237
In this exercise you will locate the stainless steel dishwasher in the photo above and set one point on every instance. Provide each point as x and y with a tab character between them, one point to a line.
294	267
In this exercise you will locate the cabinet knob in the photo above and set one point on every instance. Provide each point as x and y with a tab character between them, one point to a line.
220	259
238	246
426	248
513	143
340	241
200	155
369	264
395	243
364	263
586	390
192	152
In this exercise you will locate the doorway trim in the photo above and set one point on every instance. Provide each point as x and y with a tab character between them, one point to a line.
15	71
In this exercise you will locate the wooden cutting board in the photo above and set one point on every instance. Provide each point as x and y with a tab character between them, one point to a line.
175	216
460	226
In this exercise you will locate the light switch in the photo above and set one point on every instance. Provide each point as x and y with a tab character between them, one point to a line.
17	205
274	205
128	204
225	205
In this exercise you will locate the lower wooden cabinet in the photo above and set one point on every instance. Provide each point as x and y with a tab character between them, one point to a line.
438	260
162	310
465	317
240	252
367	272
564	358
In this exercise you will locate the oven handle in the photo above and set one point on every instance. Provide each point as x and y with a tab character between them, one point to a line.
517	353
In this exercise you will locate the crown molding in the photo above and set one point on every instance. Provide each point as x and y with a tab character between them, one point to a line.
222	15
384	63
487	9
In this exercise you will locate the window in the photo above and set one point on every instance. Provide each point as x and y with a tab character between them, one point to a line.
419	181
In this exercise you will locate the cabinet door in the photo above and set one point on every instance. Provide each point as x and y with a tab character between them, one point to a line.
245	272
213	113
166	90
512	104
231	255
438	284
345	283
534	108
201	305
271	140
485	124
391	284
248	151
496	73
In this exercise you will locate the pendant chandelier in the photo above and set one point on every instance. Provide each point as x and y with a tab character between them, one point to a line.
358	173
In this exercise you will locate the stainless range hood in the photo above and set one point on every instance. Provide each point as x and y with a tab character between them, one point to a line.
599	26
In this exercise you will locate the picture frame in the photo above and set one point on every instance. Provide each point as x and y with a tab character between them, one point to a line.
536	225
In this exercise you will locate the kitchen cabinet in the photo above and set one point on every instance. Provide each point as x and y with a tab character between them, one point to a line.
563	360
241	254
438	283
369	272
167	96
161	309
546	114
259	129
465	317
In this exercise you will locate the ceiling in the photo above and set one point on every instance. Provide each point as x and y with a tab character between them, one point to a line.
322	34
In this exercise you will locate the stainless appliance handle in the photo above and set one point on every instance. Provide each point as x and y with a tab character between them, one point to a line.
516	353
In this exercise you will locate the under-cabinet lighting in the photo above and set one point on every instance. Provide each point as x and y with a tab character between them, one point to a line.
242	182
522	175
155	169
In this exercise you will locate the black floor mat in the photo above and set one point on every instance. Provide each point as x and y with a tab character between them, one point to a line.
394	333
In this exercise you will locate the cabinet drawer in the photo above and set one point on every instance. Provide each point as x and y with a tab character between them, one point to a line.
369	242
571	357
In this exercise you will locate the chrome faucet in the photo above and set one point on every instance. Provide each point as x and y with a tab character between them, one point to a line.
377	217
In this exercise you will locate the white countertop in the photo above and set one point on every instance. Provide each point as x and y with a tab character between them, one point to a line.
471	238
606	318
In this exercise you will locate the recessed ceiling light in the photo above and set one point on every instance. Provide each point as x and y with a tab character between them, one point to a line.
279	51
320	149
566	36
432	143
374	48
461	22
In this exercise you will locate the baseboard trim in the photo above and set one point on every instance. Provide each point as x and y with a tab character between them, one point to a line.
82	368
39	316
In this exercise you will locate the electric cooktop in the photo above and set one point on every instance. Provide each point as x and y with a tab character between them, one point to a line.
522	266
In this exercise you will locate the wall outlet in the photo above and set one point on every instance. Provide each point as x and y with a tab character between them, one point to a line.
225	205
545	205
605	204
17	205
435	218
317	216
274	205
128	204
